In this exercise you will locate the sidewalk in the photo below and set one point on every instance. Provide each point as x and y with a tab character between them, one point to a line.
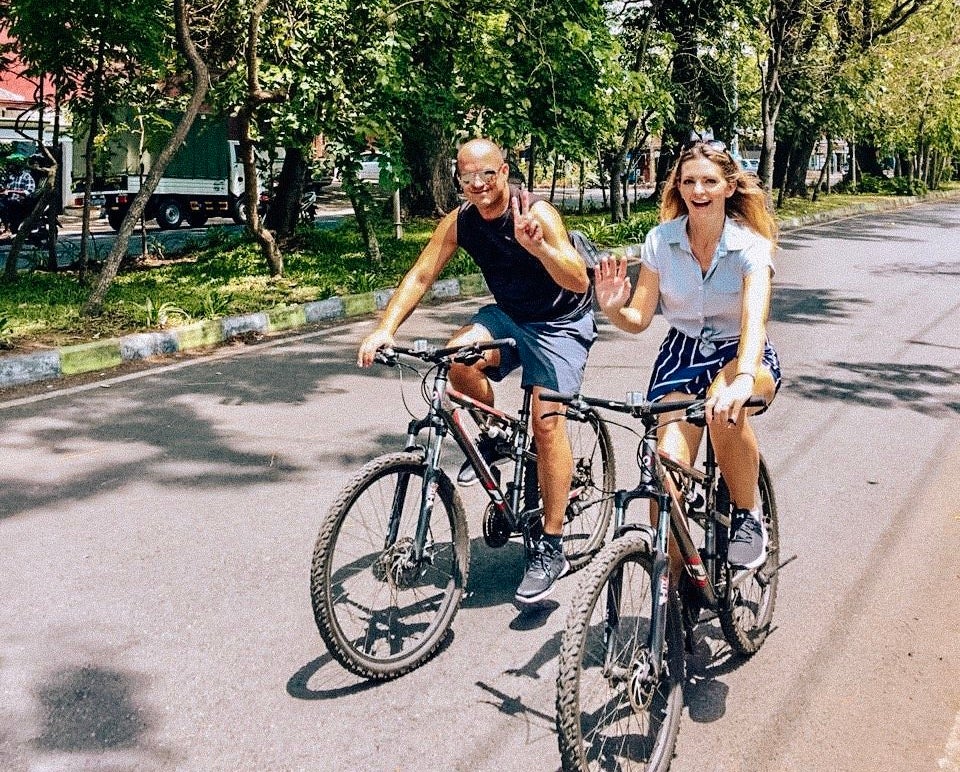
50	364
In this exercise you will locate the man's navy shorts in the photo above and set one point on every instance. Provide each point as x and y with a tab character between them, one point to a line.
552	354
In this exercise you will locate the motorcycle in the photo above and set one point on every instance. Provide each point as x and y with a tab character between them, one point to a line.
15	208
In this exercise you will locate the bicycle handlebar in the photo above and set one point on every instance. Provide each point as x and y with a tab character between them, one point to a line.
427	352
635	406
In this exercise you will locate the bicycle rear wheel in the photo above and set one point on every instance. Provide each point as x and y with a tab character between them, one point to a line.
747	614
380	612
612	714
590	507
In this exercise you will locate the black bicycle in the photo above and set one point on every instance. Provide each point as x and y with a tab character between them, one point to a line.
622	652
391	560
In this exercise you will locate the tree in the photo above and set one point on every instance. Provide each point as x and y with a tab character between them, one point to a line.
93	60
201	86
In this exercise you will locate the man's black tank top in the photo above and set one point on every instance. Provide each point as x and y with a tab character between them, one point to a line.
518	281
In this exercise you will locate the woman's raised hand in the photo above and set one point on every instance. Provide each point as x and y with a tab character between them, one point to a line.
611	284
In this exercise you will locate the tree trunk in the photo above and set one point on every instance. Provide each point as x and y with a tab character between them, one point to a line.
201	85
432	191
618	170
29	223
362	203
532	163
284	213
96	101
251	192
823	181
251	177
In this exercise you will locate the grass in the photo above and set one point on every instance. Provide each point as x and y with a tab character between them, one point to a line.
226	276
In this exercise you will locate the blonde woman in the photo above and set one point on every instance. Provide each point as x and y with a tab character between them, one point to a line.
708	267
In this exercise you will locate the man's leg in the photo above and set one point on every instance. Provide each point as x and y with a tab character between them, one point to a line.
470	379
554	473
473	381
554	462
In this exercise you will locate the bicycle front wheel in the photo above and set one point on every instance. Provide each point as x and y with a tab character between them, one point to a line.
613	711
382	610
590	507
747	612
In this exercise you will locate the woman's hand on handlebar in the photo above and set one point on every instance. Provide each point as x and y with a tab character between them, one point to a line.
726	403
371	344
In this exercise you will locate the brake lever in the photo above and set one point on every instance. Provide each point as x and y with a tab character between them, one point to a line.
697	414
387	356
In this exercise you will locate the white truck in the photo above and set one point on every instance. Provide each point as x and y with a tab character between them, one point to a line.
204	179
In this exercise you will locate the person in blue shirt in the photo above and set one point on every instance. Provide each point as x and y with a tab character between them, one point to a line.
708	267
543	300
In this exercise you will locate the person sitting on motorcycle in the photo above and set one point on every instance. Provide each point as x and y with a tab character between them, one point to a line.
18	188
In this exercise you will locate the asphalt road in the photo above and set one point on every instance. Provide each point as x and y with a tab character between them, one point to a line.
157	529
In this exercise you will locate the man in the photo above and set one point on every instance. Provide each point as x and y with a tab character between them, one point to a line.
543	300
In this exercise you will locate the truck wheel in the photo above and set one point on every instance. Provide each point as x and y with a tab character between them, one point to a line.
197	219
239	212
169	214
115	219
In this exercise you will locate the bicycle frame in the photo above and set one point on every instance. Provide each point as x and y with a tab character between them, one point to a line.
660	475
440	421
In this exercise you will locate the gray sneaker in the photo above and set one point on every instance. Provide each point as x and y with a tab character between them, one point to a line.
748	540
547	565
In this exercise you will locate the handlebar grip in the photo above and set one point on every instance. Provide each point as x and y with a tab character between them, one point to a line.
555	396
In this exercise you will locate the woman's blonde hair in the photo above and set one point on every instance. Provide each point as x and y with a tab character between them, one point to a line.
748	204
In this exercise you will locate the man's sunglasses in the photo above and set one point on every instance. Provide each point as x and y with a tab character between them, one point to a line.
487	176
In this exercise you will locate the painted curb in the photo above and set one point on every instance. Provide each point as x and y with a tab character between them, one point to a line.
21	369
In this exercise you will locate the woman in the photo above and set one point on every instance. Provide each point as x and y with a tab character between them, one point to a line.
708	267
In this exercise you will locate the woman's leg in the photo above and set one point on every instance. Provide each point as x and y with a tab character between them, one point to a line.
681	441
738	454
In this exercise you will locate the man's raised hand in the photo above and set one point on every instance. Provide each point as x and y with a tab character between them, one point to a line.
526	227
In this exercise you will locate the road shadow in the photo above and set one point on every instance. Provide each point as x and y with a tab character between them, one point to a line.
819	305
886	226
94	709
704	691
159	418
325	679
927	389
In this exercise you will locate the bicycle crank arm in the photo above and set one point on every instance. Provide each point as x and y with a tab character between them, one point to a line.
764	576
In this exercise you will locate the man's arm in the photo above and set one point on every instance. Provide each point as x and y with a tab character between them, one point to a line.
412	288
539	229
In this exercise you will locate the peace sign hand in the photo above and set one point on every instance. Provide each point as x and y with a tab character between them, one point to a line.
526	227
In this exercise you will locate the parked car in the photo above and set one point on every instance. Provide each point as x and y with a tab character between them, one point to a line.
750	164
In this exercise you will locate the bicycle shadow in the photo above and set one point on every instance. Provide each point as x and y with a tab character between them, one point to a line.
704	691
324	678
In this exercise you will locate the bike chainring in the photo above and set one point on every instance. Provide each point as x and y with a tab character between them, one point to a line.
496	529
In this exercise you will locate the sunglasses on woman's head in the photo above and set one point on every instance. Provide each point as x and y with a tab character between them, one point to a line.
710	144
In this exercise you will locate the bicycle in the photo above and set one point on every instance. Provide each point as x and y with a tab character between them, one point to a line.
389	569
622	653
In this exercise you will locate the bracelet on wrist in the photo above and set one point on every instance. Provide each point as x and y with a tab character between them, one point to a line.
751	376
